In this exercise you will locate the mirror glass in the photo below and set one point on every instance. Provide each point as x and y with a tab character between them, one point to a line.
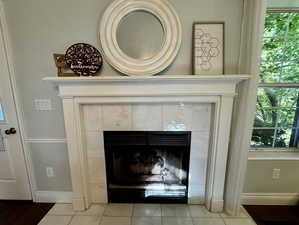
140	35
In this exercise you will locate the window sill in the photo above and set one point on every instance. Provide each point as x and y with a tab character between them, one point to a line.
275	155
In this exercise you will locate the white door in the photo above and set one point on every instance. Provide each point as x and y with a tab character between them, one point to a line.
14	182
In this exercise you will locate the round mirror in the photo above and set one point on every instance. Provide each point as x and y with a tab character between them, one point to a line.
140	35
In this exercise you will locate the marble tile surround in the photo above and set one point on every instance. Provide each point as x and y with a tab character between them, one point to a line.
141	214
147	117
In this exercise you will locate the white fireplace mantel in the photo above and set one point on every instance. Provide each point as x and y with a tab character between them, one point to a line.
147	85
218	90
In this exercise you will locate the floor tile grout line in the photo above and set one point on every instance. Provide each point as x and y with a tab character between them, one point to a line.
101	219
133	210
72	217
224	221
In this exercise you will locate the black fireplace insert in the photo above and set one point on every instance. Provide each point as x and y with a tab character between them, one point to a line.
147	166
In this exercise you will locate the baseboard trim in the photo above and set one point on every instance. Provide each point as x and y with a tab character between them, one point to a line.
270	198
53	196
49	140
24	196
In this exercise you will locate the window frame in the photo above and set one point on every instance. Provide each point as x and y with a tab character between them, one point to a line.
2	113
277	85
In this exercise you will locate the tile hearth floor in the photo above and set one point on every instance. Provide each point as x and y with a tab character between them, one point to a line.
141	214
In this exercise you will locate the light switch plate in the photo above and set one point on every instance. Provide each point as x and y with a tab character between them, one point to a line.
43	104
50	172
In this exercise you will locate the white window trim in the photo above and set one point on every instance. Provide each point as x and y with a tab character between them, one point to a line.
277	85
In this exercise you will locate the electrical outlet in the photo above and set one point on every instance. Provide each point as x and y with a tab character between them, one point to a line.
50	172
43	104
276	174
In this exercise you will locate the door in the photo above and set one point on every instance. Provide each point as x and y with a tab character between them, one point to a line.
14	181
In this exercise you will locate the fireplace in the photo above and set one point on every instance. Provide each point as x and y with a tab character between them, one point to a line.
94	105
147	166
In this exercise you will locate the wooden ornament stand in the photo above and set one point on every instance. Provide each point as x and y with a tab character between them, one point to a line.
62	66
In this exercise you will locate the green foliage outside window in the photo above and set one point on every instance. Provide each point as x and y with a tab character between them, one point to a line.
277	112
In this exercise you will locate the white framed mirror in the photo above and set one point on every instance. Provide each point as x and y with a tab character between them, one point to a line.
147	30
140	37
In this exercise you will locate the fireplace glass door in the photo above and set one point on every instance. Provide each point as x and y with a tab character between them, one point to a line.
147	166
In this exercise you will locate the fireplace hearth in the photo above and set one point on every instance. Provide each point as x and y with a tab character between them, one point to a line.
147	166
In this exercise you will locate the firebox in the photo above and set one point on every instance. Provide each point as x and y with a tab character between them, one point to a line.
147	166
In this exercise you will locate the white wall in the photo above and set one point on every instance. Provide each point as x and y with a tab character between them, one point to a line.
39	28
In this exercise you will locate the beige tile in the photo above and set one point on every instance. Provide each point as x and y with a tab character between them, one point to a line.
147	117
119	210
98	192
175	210
96	170
243	214
199	144
62	209
176	221
85	220
239	221
55	220
115	221
95	143
117	117
92	115
146	221
147	210
208	221
201	117
197	171
196	194
94	210
177	117
201	211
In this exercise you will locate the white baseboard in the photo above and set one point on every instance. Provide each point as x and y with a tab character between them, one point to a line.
45	140
24	196
53	196
270	198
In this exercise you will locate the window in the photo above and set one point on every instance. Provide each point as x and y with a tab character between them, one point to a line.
276	122
1	113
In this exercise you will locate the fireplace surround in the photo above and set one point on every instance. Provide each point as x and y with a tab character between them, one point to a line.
104	92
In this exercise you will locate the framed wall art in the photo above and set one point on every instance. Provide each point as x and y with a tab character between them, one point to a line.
208	48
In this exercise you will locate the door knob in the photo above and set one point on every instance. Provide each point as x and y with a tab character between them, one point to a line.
10	131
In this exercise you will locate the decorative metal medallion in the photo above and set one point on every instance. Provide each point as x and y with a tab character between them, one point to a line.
83	59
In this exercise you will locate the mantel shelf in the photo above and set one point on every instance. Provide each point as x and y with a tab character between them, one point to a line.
232	78
165	85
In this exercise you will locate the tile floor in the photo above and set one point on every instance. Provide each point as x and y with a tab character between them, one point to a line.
141	214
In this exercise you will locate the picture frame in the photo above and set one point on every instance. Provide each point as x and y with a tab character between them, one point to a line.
208	48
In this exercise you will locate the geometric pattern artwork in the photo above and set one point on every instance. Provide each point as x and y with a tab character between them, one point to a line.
208	50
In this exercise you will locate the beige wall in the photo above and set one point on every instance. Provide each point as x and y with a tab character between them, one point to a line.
39	28
283	3
259	176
